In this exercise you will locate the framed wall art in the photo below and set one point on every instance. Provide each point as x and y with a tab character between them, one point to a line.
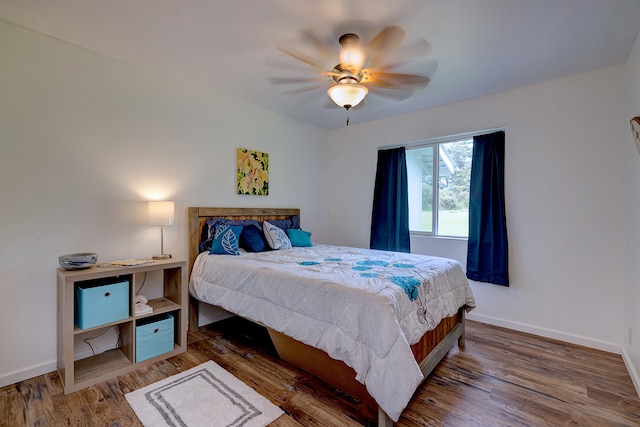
253	172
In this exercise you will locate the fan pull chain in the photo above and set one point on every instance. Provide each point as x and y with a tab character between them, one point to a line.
346	107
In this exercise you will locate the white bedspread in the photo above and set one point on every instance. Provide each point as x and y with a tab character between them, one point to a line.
363	307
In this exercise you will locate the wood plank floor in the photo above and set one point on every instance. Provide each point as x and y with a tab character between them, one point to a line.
502	378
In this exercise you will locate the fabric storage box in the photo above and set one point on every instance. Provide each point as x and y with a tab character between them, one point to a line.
154	336
101	301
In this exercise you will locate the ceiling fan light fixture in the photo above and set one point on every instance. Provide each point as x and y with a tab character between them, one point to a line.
352	58
347	95
352	55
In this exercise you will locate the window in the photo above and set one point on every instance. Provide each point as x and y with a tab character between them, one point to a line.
438	175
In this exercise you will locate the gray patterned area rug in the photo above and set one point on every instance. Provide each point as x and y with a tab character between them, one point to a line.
206	395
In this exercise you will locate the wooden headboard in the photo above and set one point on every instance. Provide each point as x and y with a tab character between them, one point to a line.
198	216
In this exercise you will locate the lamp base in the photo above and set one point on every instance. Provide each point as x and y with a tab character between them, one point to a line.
162	256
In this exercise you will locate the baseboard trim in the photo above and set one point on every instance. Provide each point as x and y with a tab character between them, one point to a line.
82	351
548	333
26	373
44	368
632	370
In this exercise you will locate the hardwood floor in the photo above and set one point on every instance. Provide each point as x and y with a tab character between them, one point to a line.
502	378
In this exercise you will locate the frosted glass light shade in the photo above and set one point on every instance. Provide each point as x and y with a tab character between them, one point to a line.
161	213
347	95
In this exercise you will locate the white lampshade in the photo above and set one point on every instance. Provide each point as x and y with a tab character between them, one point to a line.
347	95
161	213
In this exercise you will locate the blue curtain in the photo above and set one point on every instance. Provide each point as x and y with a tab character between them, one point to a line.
390	216
487	255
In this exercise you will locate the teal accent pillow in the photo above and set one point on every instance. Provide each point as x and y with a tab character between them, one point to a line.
226	240
276	237
299	238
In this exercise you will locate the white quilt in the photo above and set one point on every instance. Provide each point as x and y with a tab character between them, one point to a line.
364	307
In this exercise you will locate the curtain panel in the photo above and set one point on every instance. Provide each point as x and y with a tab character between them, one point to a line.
487	254
390	215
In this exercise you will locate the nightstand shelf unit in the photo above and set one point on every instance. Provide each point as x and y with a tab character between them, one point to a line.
78	374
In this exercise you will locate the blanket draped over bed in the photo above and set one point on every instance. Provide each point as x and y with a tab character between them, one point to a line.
360	306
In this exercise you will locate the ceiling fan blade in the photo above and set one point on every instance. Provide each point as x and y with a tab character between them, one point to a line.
301	56
407	54
395	94
292	80
383	43
419	47
423	68
321	46
297	69
306	88
394	80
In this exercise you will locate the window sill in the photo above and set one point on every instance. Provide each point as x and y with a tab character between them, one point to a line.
418	234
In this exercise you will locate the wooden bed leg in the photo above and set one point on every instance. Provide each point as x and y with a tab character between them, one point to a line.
461	314
383	419
193	313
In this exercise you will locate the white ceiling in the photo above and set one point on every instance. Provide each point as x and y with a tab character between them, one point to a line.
477	47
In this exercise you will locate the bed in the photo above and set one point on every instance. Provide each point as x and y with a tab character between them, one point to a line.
372	323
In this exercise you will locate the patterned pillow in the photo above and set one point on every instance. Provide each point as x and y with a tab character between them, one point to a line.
209	228
226	239
299	238
276	237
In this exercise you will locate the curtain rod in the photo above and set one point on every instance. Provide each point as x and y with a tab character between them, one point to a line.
442	138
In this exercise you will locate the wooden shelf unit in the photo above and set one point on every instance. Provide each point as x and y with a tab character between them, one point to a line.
82	373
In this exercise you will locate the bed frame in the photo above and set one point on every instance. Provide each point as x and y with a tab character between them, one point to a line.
432	347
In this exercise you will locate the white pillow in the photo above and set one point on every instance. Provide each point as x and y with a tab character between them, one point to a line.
276	237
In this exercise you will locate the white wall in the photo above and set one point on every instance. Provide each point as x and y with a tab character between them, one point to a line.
565	197
631	348
85	141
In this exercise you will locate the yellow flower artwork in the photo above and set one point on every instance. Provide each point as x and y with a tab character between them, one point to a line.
253	172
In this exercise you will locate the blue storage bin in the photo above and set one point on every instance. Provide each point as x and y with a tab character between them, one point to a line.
101	301
154	336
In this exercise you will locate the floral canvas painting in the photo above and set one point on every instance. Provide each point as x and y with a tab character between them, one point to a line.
253	172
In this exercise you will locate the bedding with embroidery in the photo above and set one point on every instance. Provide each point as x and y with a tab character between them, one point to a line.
364	307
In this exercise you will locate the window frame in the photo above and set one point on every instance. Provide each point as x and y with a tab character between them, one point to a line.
436	143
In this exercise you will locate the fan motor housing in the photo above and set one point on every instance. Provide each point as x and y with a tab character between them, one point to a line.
343	74
348	39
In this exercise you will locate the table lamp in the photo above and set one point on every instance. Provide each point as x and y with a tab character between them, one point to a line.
161	213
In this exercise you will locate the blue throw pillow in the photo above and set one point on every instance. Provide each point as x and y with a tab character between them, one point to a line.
284	224
252	240
276	237
299	238
226	240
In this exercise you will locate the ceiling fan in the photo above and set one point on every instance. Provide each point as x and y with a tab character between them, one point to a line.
360	67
